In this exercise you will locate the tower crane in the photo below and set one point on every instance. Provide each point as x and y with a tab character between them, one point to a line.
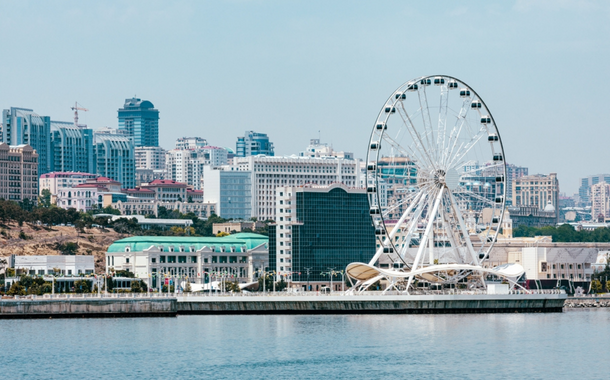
76	108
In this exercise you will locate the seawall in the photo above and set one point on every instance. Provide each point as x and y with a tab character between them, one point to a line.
88	308
432	304
155	306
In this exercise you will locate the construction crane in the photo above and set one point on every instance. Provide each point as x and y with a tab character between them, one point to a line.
76	108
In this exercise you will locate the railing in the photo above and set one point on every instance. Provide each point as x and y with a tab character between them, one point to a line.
458	292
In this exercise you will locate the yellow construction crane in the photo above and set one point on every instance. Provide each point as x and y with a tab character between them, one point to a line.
76	108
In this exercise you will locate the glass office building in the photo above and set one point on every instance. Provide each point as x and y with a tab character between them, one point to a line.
24	127
253	144
140	119
321	229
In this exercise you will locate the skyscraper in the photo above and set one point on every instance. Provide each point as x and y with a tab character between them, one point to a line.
253	144
23	126
140	119
115	158
72	148
600	201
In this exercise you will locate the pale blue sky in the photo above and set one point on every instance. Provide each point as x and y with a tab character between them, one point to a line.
290	68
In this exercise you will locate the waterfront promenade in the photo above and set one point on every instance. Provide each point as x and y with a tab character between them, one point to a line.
163	305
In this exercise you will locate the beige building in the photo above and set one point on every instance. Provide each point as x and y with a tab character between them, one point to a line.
600	202
232	227
18	172
536	190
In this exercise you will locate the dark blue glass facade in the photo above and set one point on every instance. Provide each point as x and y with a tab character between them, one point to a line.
334	229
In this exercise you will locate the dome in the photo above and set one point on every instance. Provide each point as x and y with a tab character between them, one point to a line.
549	207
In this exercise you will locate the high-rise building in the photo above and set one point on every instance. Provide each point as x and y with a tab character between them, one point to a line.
191	143
230	189
19	174
537	191
269	173
150	157
114	158
513	172
600	201
253	144
140	119
72	148
317	149
186	165
584	191
319	230
24	127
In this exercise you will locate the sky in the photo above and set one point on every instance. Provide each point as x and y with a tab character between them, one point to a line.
297	70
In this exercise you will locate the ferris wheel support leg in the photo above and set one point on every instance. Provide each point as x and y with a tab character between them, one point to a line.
458	214
422	243
396	227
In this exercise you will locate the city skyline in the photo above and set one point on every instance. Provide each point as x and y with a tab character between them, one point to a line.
291	70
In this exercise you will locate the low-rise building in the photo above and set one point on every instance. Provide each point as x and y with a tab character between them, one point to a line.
46	265
239	226
56	180
242	257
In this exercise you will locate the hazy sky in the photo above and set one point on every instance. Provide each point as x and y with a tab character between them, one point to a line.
293	68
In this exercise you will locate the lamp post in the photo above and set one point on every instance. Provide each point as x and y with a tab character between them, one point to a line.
308	269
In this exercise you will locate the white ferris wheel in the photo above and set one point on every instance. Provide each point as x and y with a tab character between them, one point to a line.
436	178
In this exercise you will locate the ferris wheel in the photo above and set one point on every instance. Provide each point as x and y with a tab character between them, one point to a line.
436	178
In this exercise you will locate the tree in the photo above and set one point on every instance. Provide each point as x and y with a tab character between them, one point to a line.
222	234
125	273
69	248
44	200
596	286
138	286
82	286
232	286
187	288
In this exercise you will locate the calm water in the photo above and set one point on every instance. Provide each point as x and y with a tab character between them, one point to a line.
569	345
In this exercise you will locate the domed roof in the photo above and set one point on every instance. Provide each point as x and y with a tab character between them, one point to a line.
549	207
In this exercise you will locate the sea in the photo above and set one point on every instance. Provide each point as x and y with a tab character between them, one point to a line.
569	345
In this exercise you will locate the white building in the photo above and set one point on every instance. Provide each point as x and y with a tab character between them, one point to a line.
240	257
269	173
150	157
45	265
600	202
317	149
55	180
191	143
186	165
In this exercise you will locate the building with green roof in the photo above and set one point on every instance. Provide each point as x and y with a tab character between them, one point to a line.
199	259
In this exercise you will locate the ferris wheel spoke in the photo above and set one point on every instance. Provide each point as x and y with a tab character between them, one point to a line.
418	142
480	169
442	120
471	144
394	144
426	113
468	193
456	131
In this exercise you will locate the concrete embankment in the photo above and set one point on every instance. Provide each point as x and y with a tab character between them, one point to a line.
434	304
87	308
114	307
